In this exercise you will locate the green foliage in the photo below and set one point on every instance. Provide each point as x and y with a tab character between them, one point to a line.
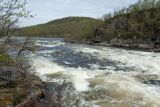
71	28
10	13
70	19
6	60
138	21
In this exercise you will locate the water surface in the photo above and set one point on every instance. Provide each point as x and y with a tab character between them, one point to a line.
100	76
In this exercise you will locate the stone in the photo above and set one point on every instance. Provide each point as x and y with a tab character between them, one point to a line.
39	84
152	82
10	73
145	46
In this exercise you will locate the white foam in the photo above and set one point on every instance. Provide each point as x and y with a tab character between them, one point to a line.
124	84
78	76
50	44
142	60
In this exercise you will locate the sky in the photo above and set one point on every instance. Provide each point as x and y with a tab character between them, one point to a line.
47	10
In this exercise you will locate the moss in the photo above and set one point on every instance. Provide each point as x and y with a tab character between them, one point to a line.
6	60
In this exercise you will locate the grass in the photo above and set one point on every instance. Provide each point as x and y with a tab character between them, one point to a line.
69	27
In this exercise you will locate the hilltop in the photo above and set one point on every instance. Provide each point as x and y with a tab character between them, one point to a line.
68	27
135	26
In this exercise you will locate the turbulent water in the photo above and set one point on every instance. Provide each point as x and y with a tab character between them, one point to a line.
100	76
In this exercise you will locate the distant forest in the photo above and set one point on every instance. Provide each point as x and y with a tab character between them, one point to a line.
139	23
70	28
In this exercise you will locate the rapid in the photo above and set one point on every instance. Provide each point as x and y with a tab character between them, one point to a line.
99	76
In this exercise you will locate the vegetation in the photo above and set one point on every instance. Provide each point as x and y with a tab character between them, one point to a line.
70	28
18	89
10	13
139	22
12	90
6	60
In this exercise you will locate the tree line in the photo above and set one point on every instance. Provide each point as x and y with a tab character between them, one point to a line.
140	22
139	6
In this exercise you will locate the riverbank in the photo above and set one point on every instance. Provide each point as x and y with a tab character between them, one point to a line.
19	87
77	68
93	73
15	80
118	43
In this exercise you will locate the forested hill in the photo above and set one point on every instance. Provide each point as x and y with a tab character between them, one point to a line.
68	27
132	26
139	21
71	19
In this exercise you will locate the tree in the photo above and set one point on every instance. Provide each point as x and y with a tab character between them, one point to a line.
10	13
158	3
107	16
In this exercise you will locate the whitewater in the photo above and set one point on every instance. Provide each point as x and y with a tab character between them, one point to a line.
100	76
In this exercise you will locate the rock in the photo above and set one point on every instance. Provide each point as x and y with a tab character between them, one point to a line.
103	44
156	50
10	73
157	46
45	97
39	84
33	100
114	41
4	105
145	46
152	82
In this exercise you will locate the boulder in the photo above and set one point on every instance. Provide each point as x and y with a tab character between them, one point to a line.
145	46
10	73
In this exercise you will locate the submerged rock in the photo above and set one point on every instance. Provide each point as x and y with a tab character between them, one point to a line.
152	82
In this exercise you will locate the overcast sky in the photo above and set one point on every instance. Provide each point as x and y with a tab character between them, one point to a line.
47	10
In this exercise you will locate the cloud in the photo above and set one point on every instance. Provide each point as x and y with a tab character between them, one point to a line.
47	10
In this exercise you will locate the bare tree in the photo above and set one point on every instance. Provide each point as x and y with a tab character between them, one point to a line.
10	13
28	45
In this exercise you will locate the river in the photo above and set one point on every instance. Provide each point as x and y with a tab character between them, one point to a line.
100	76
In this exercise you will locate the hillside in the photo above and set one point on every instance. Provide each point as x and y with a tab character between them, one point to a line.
136	26
69	27
143	24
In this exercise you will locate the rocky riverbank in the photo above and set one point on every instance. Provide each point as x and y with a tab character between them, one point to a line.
15	81
15	85
21	88
48	94
120	43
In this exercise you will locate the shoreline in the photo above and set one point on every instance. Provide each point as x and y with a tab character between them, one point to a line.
42	89
137	47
